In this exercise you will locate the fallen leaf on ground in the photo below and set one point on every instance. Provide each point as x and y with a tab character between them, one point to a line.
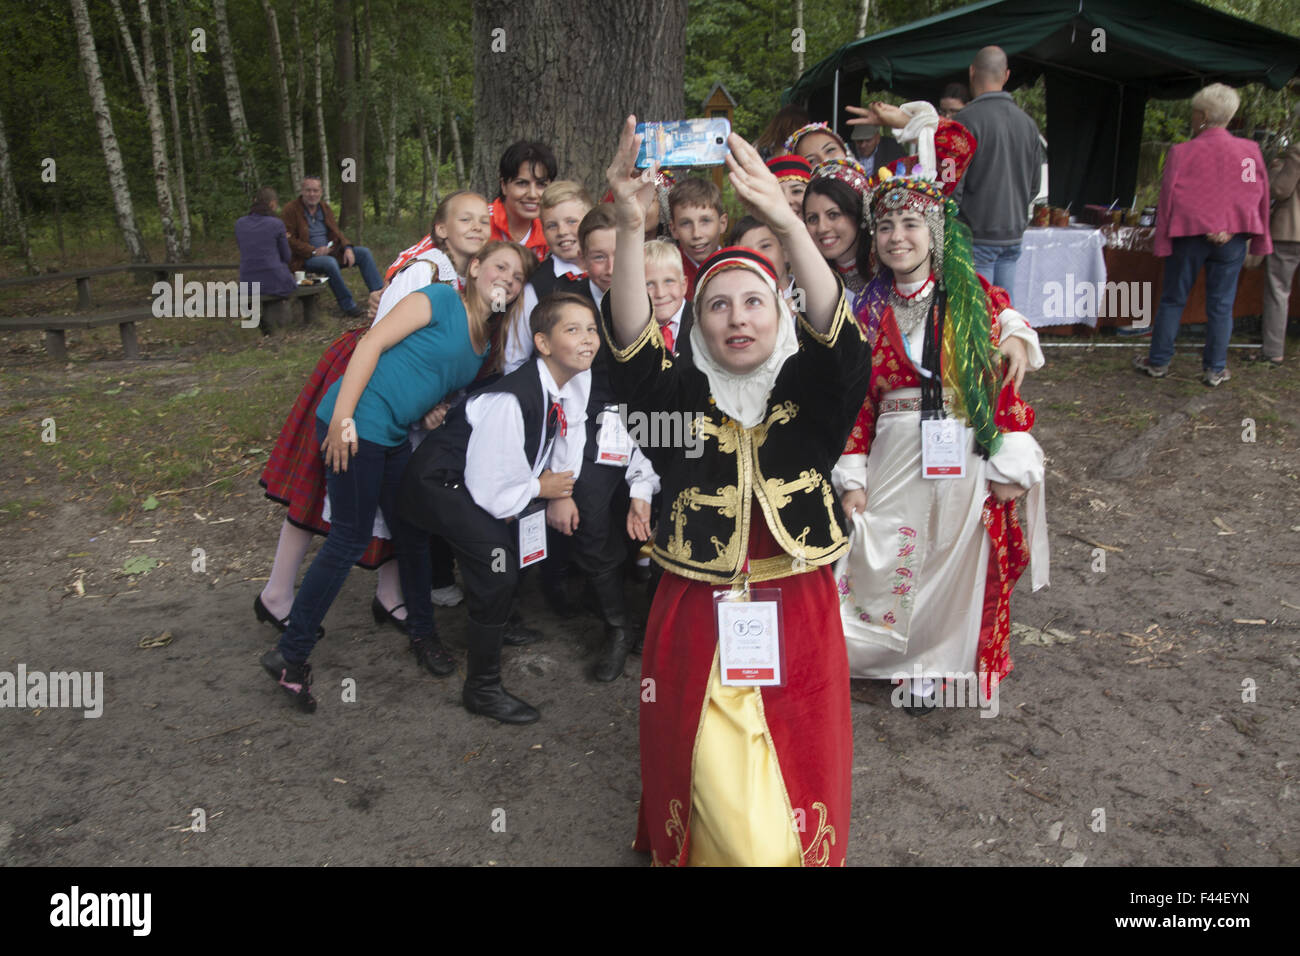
162	640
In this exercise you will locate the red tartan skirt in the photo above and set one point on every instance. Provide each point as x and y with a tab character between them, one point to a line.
295	474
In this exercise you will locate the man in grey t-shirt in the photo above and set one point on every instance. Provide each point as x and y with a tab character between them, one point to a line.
1005	172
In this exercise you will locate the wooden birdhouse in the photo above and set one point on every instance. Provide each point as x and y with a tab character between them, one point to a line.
719	104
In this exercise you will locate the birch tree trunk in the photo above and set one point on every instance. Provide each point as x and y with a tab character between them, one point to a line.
235	103
199	137
455	130
147	80
798	53
863	9
15	227
280	84
426	160
122	209
390	161
299	103
182	196
320	111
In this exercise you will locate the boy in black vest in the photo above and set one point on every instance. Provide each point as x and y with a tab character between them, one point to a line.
479	482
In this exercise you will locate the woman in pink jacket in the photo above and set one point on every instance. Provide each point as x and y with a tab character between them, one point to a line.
1213	202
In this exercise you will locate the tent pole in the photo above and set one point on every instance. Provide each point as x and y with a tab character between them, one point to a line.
835	102
1119	130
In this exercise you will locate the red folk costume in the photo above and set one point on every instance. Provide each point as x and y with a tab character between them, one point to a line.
921	594
747	775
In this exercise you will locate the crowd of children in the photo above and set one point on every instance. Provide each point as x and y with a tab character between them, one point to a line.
483	418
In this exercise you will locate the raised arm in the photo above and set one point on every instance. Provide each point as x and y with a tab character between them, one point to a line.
630	306
758	189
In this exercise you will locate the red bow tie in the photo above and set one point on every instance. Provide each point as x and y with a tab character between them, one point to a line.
575	276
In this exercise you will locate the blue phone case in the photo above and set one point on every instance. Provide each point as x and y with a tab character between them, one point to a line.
695	142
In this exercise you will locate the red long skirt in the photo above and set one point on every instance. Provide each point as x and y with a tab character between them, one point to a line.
809	718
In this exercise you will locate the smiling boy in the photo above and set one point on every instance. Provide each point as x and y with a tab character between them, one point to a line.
697	222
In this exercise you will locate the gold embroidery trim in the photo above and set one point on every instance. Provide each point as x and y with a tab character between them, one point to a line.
819	847
842	314
649	332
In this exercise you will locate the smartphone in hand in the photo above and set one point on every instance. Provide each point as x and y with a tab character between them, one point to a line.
695	142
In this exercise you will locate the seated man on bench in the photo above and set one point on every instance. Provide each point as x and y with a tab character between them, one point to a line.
318	246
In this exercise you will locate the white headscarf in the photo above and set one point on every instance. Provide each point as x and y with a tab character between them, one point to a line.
744	397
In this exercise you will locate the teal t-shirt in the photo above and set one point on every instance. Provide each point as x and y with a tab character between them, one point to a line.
415	374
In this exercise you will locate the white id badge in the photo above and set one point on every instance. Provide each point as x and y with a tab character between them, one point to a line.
750	649
613	443
532	538
943	448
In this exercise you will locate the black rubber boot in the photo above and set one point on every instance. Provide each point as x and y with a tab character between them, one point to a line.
618	636
483	693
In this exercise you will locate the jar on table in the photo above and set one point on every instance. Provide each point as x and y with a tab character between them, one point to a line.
1148	217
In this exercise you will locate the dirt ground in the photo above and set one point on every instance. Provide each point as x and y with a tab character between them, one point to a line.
1158	692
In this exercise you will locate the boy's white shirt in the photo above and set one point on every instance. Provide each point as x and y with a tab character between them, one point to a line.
519	341
499	476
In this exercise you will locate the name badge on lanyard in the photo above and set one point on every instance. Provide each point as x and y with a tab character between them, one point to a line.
943	448
613	443
751	652
532	538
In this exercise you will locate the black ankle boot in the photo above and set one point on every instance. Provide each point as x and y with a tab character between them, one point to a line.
483	693
619	637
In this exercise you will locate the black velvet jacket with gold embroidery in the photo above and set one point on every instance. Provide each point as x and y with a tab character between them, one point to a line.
784	462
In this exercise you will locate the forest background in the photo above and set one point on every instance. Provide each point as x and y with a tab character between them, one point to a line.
209	99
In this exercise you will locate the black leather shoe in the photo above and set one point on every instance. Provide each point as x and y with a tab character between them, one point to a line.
262	614
432	656
517	635
483	693
382	614
294	679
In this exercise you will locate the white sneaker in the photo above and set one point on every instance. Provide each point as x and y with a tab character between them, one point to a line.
449	596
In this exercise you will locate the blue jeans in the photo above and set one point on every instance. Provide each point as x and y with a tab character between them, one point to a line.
371	482
997	264
328	266
1222	267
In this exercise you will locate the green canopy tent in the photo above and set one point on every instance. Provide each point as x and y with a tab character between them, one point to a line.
1102	59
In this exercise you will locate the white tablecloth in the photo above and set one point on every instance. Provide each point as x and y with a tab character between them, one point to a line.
1054	265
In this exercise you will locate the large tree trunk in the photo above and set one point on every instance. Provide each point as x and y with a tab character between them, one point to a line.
455	130
345	68
182	196
147	80
15	227
325	171
122	209
864	8
280	83
630	58
243	141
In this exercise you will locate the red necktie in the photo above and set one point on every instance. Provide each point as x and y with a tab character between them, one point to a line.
667	331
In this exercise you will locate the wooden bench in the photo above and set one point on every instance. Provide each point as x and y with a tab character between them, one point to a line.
55	325
157	271
276	310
